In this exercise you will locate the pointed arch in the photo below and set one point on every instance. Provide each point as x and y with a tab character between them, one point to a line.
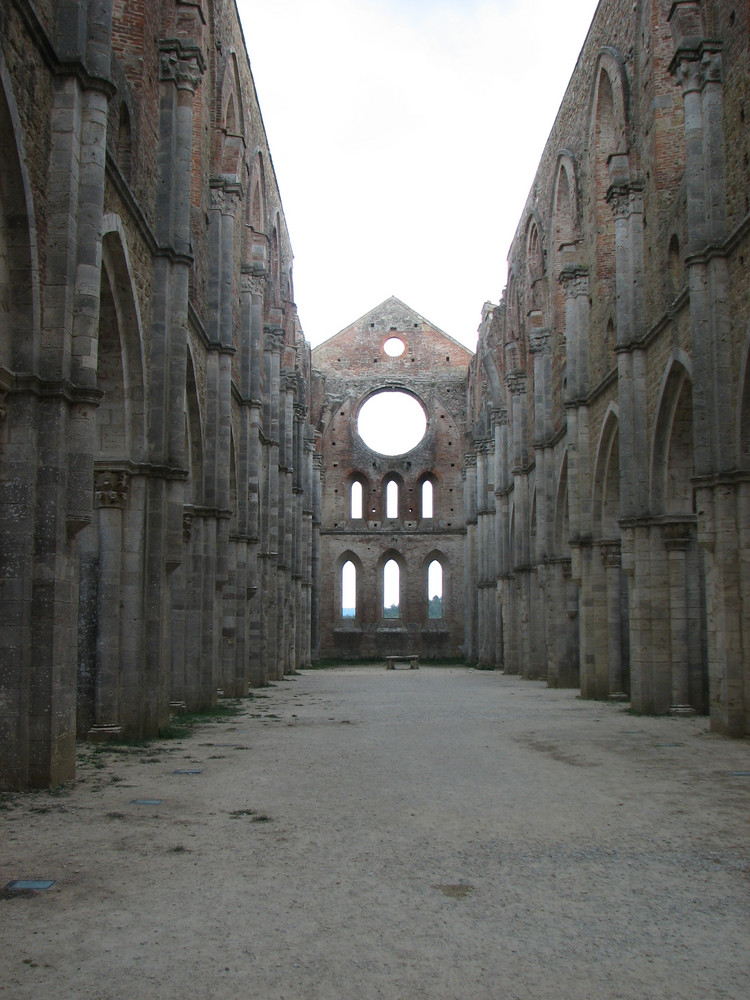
607	477
348	586
232	120
120	292
194	437
565	209
562	510
672	453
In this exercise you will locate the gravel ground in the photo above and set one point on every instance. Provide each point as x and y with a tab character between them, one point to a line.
444	834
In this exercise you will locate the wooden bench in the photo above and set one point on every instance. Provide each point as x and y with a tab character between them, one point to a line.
391	661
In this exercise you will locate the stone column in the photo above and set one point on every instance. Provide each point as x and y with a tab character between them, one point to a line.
111	494
611	560
180	71
677	541
471	582
575	283
697	66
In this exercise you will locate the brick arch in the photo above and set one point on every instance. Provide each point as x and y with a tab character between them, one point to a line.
565	205
346	556
672	453
384	558
231	124
440	557
398	479
537	303
515	355
606	486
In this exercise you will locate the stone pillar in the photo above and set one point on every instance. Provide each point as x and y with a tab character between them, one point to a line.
575	283
111	494
317	486
471	582
611	560
677	542
180	70
697	66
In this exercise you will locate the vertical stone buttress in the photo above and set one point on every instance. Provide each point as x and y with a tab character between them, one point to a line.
575	282
181	67
470	558
697	66
217	629
545	599
68	393
269	607
625	197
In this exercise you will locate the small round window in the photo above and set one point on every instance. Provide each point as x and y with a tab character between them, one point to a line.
391	422
394	347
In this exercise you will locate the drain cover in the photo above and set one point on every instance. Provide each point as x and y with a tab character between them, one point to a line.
667	744
41	884
740	774
145	802
189	770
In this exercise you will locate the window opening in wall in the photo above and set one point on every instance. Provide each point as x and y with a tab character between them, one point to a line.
391	500
391	592
435	589
391	422
356	501
348	590
426	498
394	347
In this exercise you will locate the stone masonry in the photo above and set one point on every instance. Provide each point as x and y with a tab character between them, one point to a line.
180	476
348	370
607	483
157	474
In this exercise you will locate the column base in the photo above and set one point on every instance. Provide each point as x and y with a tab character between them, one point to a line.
682	710
104	734
618	696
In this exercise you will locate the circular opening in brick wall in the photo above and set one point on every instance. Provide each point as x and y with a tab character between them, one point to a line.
394	347
391	422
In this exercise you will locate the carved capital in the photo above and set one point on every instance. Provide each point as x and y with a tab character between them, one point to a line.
677	534
252	281
187	523
232	199
289	382
111	488
273	340
611	555
184	65
516	383
540	341
575	282
626	199
499	416
217	199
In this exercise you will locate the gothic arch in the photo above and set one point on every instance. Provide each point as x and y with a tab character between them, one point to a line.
385	558
193	435
610	100
672	454
565	212
607	478
232	121
562	516
117	278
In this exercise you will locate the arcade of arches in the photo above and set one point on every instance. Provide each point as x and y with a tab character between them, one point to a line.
187	506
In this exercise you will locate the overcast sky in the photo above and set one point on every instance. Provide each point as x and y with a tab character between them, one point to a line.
405	135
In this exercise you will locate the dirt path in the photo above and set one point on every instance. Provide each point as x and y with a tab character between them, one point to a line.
441	834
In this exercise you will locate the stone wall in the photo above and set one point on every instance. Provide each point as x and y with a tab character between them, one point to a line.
608	395
350	368
157	476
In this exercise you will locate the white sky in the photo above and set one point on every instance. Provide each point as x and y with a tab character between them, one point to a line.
405	136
